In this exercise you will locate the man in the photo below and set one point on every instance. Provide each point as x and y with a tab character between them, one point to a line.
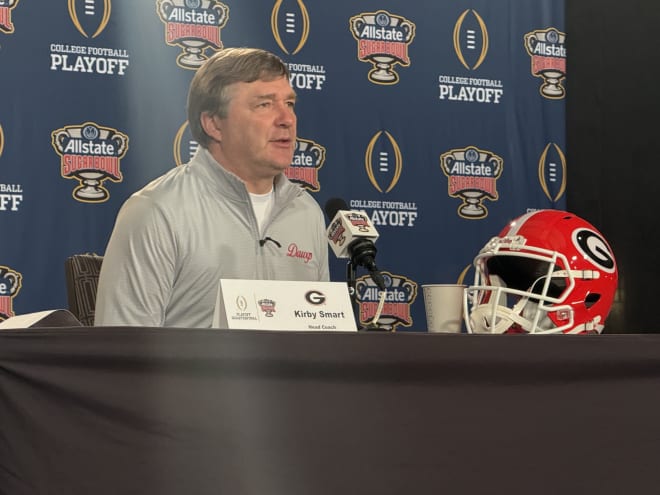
228	213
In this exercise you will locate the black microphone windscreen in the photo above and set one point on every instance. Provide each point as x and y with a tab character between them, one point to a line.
333	205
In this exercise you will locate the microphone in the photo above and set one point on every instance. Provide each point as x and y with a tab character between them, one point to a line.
352	235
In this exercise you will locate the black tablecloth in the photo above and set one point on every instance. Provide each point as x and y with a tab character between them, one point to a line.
183	411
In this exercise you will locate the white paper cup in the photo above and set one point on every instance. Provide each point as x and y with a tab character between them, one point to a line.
444	307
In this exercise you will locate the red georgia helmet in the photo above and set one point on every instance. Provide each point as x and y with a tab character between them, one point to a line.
548	271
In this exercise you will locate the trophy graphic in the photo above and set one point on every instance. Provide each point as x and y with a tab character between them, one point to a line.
90	153
194	25
383	40
6	6
472	175
10	284
401	293
267	306
548	52
308	158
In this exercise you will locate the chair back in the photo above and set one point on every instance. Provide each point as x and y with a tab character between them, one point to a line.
82	280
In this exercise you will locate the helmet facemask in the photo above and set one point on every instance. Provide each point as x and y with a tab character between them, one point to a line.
519	290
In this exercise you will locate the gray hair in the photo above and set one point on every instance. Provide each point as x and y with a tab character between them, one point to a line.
209	87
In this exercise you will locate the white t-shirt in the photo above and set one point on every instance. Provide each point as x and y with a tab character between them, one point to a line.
262	204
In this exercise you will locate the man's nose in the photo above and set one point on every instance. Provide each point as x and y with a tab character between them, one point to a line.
286	117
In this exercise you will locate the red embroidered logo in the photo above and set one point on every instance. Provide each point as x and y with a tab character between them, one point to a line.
294	252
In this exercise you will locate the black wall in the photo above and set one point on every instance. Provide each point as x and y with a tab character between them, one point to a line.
613	100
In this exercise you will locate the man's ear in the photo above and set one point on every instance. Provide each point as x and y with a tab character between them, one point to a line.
211	125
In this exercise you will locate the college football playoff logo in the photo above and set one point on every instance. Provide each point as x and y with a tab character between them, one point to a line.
289	22
470	39
383	161
552	172
94	13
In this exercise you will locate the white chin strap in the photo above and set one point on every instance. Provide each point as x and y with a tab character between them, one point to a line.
493	318
489	318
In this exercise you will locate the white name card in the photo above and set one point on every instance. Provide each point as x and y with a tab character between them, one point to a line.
283	305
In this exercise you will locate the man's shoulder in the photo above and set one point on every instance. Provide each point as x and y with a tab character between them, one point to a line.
172	183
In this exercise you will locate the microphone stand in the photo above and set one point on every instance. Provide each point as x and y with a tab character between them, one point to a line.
352	290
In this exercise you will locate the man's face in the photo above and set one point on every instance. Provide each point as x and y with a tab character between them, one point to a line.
258	135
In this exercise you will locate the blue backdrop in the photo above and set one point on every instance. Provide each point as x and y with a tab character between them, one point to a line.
440	119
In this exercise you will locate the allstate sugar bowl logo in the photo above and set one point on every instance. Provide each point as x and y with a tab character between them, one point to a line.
548	53
472	175
90	154
383	39
195	26
289	21
6	6
400	293
308	158
267	306
10	285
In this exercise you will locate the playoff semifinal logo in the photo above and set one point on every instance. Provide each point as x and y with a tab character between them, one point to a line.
195	26
548	52
383	40
289	21
472	176
90	154
552	172
6	6
401	293
308	158
10	284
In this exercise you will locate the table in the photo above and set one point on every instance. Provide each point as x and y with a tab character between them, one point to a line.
189	411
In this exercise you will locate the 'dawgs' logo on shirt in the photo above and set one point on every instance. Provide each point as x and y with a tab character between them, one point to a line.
91	154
